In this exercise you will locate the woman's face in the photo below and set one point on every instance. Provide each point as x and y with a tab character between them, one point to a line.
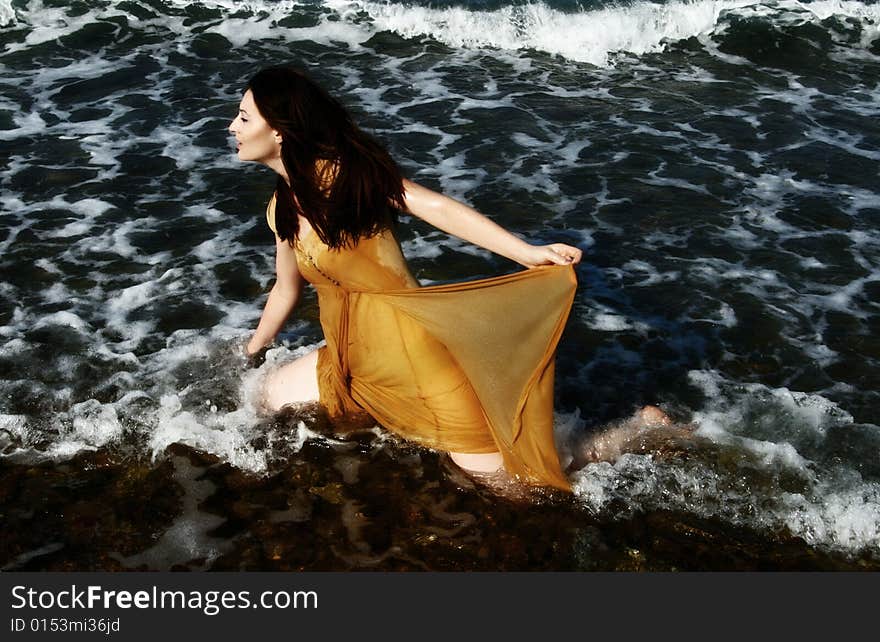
256	140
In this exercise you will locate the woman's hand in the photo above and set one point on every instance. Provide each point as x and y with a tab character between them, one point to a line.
283	297
553	254
255	358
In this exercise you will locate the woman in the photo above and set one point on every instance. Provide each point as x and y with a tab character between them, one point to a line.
465	368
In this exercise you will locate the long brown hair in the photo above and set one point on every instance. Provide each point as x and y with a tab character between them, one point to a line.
342	181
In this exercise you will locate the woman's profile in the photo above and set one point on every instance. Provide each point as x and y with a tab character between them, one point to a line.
466	368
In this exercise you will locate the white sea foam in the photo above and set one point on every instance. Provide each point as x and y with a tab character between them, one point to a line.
225	436
26	125
88	425
424	247
826	515
241	31
90	207
727	315
834	508
94	423
103	300
56	293
847	517
457	178
590	36
188	536
772	429
595	35
7	13
62	318
115	241
50	23
651	275
756	411
133	297
824	9
15	425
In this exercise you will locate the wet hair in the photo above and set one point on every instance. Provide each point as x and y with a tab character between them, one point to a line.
342	180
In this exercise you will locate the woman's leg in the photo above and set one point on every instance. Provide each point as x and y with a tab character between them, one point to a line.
648	430
608	445
295	382
478	462
650	416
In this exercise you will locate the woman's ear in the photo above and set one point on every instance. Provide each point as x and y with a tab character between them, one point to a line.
277	135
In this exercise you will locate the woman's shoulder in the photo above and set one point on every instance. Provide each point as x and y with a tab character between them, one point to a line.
270	213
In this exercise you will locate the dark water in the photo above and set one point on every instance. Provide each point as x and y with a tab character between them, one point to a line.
717	161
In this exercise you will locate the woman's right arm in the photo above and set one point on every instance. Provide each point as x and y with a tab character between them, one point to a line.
283	297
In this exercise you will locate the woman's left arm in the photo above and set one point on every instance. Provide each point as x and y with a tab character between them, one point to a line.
462	221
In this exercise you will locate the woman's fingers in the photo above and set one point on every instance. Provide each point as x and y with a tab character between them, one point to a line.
555	253
566	253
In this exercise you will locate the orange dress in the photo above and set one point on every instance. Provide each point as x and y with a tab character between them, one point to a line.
462	367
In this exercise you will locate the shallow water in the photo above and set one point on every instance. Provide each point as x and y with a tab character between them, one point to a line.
717	162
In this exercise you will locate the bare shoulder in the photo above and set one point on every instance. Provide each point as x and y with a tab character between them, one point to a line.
270	214
286	263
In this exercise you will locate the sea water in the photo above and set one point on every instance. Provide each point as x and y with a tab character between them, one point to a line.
717	161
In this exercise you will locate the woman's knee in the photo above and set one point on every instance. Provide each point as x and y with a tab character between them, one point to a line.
295	382
478	462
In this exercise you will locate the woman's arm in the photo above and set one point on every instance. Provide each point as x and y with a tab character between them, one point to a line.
282	298
462	221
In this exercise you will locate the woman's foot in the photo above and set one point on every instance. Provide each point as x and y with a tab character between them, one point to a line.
628	436
651	416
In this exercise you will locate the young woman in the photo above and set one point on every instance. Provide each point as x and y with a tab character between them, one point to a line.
466	368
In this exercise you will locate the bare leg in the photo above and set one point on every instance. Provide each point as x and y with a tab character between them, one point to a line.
608	445
295	382
478	462
487	469
648	430
652	416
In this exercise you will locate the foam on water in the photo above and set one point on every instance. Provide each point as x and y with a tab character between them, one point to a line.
188	536
693	188
225	435
595	35
160	409
764	476
591	36
7	13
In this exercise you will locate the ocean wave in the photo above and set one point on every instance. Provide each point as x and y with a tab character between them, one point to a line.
771	462
596	34
7	13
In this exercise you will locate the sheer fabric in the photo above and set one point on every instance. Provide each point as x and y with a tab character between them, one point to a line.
462	367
